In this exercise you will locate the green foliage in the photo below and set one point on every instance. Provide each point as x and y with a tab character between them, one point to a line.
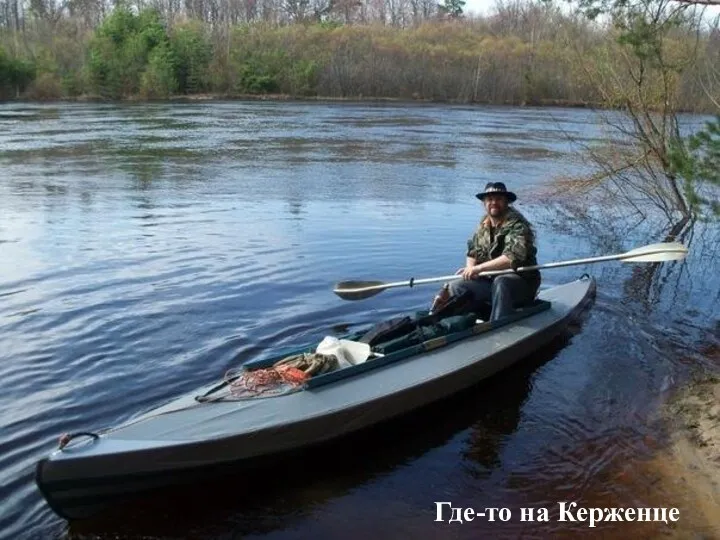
706	147
15	75
592	9
304	76
255	78
118	25
642	36
257	61
158	79
697	161
193	54
129	54
72	84
329	24
453	8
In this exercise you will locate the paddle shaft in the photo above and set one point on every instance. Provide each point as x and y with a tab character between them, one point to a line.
519	269
641	255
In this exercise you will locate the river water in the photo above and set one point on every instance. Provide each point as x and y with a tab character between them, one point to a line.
145	249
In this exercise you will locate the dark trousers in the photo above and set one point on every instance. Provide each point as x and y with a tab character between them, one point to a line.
502	293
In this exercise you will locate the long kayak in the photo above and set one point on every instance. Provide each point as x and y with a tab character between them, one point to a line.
215	426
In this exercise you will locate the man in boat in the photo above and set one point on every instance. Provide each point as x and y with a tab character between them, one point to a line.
504	239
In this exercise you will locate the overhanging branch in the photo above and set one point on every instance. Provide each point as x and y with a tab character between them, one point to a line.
700	2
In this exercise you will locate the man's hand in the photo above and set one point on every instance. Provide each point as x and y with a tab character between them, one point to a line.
470	271
470	268
465	272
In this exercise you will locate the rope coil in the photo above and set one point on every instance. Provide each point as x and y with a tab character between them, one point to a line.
293	371
259	381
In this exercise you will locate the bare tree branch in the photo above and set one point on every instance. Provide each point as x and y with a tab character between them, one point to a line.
700	2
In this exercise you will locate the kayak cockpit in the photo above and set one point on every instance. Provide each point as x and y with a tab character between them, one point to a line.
425	338
338	358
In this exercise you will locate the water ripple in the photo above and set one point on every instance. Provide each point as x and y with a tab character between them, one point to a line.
145	250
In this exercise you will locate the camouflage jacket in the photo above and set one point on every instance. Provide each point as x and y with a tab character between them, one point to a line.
514	237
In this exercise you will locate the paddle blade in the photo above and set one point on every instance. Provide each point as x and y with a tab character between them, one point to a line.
668	251
358	290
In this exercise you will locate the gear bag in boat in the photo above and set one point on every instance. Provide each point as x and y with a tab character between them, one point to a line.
426	329
404	326
389	329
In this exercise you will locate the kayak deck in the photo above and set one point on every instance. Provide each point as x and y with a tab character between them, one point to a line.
186	438
352	386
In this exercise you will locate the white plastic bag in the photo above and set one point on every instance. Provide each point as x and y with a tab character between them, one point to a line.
348	353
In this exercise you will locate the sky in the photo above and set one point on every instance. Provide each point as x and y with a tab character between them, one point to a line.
482	7
479	6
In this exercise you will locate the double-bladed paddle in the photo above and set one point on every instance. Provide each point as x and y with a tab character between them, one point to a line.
669	251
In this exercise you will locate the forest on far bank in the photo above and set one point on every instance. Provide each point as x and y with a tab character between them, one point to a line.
525	52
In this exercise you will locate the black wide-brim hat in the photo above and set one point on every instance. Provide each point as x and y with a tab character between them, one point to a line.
497	188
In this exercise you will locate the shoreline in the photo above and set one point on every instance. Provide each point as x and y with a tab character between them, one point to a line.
192	98
289	98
